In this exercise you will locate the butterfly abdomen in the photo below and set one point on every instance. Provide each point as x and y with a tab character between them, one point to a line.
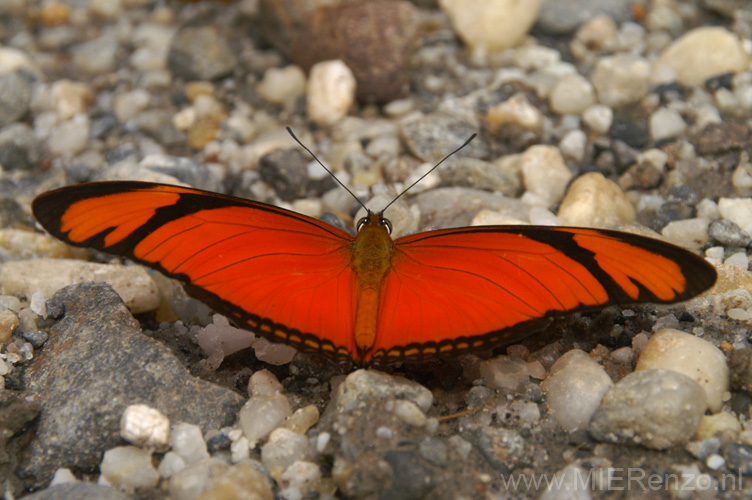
371	262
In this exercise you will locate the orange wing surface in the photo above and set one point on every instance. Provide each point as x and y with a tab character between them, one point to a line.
465	289
282	274
369	299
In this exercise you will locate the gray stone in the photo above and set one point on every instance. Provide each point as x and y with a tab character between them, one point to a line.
655	408
95	364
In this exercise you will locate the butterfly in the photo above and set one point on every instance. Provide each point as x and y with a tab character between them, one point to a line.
368	299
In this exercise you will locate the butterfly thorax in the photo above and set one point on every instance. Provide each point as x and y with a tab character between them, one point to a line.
371	261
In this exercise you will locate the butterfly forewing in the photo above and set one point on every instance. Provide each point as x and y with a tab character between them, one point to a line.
282	274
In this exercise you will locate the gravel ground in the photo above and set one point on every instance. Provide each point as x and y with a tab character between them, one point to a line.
633	115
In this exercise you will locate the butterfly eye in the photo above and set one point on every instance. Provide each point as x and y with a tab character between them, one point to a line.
387	224
362	222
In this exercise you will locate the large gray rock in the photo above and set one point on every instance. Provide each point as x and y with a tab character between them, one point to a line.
95	364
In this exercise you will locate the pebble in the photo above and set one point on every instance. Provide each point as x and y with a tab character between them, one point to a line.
574	388
408	412
573	145
376	41
70	98
8	323
187	442
621	79
572	94
655	408
692	356
70	137
598	118
594	201
331	92
571	483
739	458
564	17
712	426
128	467
738	211
200	53
303	419
18	147
264	383
364	386
97	56
219	340
505	373
700	54
283	448
544	173
500	176
261	415
515	111
665	124
15	97
489	26
47	276
145	427
298	479
688	233
281	85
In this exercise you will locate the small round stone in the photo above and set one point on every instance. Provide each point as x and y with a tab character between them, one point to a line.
692	356
574	389
655	408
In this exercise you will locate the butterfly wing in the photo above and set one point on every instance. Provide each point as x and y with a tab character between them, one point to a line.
465	289
279	273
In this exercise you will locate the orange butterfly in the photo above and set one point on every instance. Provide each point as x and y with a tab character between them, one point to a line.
367	298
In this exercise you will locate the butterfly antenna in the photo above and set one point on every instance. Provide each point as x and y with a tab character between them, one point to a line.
289	131
408	188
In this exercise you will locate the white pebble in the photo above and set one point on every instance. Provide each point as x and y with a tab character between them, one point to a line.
504	372
282	84
301	475
715	461
739	259
738	210
692	356
188	442
264	383
128	467
489	26
544	173
621	79
171	464
284	448
572	94
129	104
688	233
240	449
574	389
598	118
594	201
573	145
144	426
666	123
700	54
408	412
63	476
70	137
38	304
331	92
261	415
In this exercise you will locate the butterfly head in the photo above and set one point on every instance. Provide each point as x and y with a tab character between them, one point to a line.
373	220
